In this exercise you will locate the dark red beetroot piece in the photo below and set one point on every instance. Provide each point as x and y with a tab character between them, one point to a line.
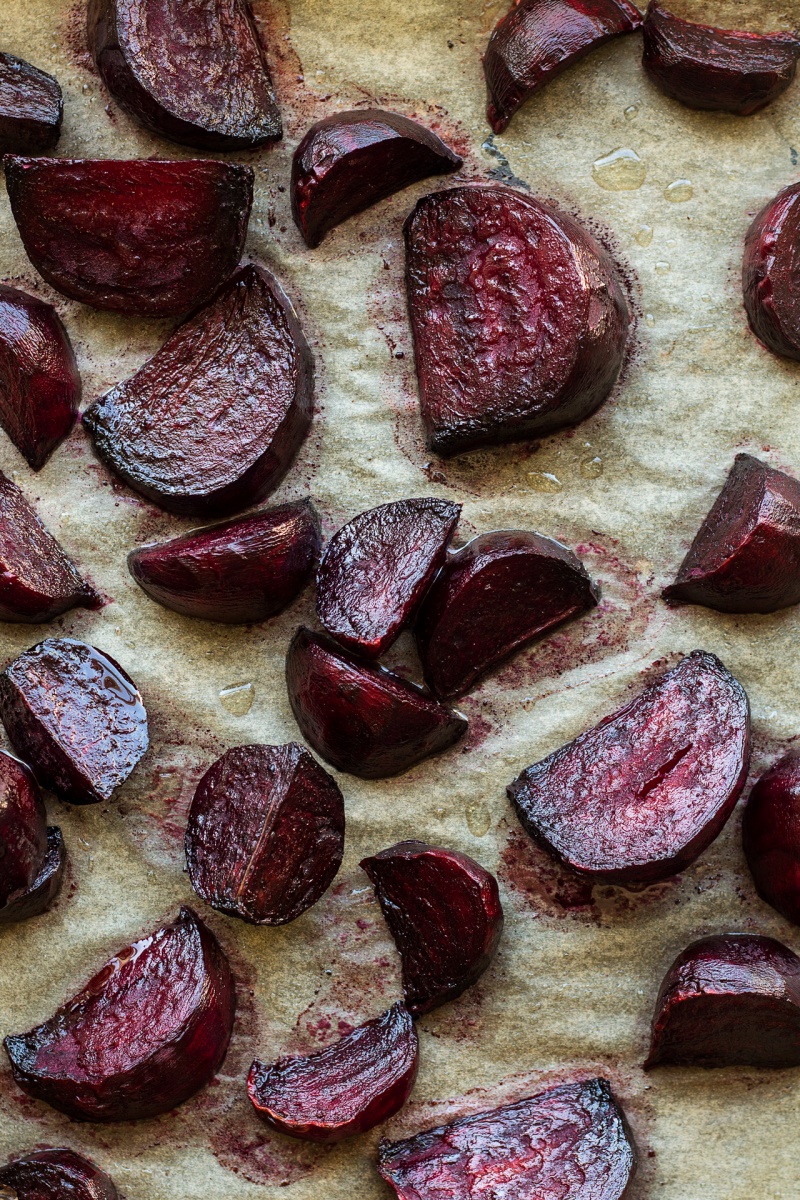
641	795
57	1175
570	1142
377	568
771	836
146	1032
212	422
32	856
31	108
143	237
351	160
360	718
493	596
518	315
443	911
771	274
347	1088
75	716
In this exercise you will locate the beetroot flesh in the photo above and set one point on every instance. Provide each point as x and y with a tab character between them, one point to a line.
31	108
377	569
519	317
146	1032
493	595
194	73
57	1174
641	795
143	237
73	713
771	274
443	911
349	161
771	836
363	719
347	1088
32	857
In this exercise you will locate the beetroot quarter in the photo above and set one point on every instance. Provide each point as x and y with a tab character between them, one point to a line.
771	836
31	108
58	1174
771	274
32	856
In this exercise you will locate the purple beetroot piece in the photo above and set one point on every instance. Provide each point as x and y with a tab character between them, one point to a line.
771	836
771	274
31	108
58	1174
32	857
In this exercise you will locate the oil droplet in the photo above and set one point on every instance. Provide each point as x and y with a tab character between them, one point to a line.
649	320
662	268
544	481
620	171
644	235
592	468
679	191
87	89
238	698
478	819
631	112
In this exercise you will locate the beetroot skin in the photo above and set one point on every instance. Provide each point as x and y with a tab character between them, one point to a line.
771	836
147	1031
519	317
32	857
56	1175
31	108
641	795
443	911
378	567
771	274
347	1088
143	237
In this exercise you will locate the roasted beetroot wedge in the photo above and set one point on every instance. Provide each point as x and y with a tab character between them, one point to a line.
149	238
570	1142
31	108
771	274
44	888
771	836
363	719
348	1088
75	716
538	39
146	1033
495	594
193	73
443	911
378	567
638	797
351	160
518	315
56	1175
721	69
32	856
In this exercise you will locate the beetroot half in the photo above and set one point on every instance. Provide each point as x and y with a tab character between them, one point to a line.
641	795
771	836
351	160
519	317
570	1142
31	108
56	1175
75	716
32	857
443	911
378	567
146	1032
212	422
771	274
495	594
345	1089
363	719
143	237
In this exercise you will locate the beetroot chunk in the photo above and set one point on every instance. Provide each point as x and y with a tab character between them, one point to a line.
143	237
345	1089
771	274
57	1175
377	569
641	795
349	161
771	836
32	857
443	911
75	716
212	422
518	315
31	108
146	1033
493	596
363	719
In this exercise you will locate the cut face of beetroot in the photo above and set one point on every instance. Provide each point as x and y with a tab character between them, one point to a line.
351	160
771	274
194	73
75	716
31	108
142	237
147	1031
212	422
771	836
641	795
57	1175
377	569
348	1088
493	596
518	315
443	911
363	719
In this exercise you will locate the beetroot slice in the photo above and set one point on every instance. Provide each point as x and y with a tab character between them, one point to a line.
493	595
193	73
146	1032
142	237
360	718
31	108
345	1089
377	568
240	571
73	713
518	315
569	1142
349	161
23	829
771	836
58	1174
771	274
443	911
212	422
641	795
